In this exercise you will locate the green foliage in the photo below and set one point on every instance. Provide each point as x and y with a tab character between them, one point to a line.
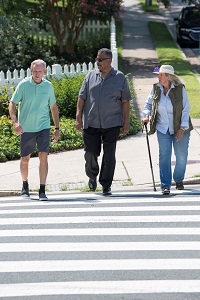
4	101
87	47
118	24
100	9
19	55
154	5
66	92
149	8
135	124
9	141
70	138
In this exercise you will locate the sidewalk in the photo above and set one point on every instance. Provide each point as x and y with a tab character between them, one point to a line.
66	169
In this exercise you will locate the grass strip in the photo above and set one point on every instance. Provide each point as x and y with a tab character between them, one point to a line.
169	53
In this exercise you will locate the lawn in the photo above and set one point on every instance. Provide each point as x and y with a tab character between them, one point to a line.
169	53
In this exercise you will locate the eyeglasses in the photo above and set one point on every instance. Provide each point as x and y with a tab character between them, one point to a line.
99	59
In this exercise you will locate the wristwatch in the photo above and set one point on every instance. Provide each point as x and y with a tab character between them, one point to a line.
57	128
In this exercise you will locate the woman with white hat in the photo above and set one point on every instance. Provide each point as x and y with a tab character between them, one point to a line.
167	109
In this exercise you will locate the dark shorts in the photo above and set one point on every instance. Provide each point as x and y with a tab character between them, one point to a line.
29	141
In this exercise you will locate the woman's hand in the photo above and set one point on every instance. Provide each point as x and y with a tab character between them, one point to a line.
180	134
145	120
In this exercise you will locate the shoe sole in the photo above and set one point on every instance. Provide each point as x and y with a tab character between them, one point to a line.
25	196
166	193
107	194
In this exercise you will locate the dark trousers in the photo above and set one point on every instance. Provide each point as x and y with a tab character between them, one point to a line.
93	137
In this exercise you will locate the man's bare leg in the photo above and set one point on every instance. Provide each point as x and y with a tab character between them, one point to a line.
43	171
24	162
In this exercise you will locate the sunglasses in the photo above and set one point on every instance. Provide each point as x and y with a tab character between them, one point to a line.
101	59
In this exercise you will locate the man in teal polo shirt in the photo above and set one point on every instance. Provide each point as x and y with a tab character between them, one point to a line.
35	99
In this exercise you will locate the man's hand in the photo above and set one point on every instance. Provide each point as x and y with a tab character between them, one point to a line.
55	135
125	129
79	124
18	128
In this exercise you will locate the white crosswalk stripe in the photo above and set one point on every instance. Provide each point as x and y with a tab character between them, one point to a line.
85	246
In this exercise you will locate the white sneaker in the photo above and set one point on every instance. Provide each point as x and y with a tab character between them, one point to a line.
43	197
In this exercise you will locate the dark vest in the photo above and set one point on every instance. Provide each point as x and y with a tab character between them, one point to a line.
176	98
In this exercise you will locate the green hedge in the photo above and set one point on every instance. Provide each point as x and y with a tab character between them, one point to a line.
66	91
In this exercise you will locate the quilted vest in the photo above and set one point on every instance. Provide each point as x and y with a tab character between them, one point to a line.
176	98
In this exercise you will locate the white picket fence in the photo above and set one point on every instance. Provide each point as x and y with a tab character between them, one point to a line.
57	71
45	36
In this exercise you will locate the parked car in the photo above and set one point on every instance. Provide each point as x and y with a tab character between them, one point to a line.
188	27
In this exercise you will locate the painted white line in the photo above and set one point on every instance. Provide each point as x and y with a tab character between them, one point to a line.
100	209
102	246
90	198
99	265
100	287
100	231
99	219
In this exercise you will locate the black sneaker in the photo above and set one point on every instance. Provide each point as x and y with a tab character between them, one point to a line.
92	183
25	192
107	192
179	185
165	190
43	197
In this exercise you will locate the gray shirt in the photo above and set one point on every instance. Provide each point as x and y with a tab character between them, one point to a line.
103	99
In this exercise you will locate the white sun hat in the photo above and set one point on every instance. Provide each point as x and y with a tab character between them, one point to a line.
164	69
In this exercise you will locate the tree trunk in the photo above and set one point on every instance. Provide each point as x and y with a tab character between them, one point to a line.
148	2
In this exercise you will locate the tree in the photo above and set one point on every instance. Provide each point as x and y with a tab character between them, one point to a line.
166	3
14	33
67	17
195	2
12	28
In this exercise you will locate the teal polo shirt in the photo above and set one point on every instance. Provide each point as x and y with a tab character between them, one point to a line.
34	102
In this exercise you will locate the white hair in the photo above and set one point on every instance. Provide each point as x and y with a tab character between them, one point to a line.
38	62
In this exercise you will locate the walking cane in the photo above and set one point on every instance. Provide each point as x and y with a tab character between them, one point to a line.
148	146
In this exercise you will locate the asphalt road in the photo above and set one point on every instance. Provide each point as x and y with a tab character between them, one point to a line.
132	245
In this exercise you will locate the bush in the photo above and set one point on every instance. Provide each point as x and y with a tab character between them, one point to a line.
66	92
4	101
20	55
70	139
9	141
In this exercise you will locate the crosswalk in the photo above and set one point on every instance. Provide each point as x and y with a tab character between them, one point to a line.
85	246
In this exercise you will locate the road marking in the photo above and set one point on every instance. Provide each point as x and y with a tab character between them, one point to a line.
101	209
99	265
95	198
100	231
100	219
102	246
100	287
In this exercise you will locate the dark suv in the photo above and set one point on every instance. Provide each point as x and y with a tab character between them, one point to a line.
188	27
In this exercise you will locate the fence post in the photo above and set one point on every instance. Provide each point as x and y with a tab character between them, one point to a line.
113	44
57	71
